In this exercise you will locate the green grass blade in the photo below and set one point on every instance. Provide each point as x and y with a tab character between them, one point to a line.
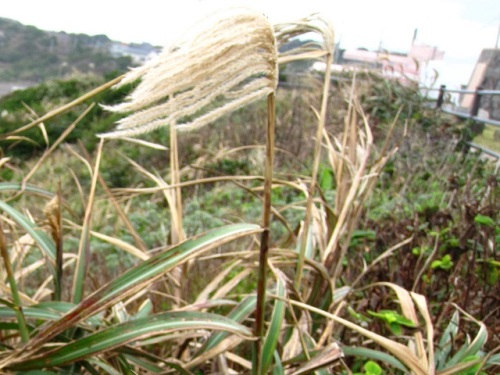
320	360
121	334
45	313
278	366
16	186
238	314
472	349
139	277
29	313
150	362
446	341
16	305
48	310
104	366
274	331
84	246
45	243
373	354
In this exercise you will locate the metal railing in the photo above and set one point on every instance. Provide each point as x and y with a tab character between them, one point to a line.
473	112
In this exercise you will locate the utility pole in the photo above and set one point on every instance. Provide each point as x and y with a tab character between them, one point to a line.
498	33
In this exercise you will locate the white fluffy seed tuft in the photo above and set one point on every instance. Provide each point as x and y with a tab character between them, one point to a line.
229	61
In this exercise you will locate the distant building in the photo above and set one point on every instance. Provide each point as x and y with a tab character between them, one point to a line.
486	75
138	52
397	65
404	67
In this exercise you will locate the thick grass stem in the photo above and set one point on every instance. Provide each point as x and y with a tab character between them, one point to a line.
266	221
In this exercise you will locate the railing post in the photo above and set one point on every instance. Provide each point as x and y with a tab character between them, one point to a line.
440	99
476	102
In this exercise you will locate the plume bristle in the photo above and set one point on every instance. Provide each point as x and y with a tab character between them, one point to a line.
232	58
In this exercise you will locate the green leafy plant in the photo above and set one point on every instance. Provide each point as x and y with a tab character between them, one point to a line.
444	263
394	321
370	368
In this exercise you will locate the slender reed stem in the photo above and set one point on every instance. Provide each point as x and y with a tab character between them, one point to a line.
82	262
121	213
177	226
23	329
177	232
58	238
264	242
317	157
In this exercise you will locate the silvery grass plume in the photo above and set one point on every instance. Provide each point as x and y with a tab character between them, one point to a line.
314	24
230	58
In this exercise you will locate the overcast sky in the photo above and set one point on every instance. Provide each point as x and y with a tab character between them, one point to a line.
461	28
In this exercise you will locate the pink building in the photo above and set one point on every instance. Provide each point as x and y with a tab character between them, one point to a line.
406	67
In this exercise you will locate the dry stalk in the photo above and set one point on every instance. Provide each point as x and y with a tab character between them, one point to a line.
356	171
284	33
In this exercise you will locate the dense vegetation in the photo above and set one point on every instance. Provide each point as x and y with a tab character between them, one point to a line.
31	54
417	258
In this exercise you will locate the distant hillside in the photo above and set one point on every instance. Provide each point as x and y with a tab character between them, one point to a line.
28	54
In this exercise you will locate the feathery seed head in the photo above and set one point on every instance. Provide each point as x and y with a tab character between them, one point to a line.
231	56
314	23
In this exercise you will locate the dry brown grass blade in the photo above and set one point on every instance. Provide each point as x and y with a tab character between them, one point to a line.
232	283
177	234
428	260
142	142
224	346
317	158
40	125
239	360
223	368
421	303
380	258
121	213
53	214
346	205
208	180
327	357
27	300
163	187
356	171
65	107
4	161
327	334
64	134
458	369
284	33
403	353
295	344
120	244
311	55
212	285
